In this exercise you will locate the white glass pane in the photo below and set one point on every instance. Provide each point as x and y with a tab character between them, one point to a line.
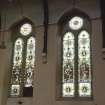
85	89
68	89
15	90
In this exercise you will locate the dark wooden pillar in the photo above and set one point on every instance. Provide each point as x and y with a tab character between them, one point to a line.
102	6
45	22
0	21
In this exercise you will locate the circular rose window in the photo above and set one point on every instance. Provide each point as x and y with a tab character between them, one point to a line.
26	29
76	23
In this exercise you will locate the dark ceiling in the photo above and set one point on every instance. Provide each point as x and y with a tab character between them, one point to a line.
5	3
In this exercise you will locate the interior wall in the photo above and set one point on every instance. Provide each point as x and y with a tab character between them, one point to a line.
45	74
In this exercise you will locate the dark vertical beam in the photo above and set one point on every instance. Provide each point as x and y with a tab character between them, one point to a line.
0	21
102	6
0	27
45	22
3	24
1	13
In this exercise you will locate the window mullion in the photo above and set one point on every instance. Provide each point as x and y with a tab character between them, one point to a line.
23	68
76	66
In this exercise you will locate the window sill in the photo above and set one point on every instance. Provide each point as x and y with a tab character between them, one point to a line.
89	99
20	101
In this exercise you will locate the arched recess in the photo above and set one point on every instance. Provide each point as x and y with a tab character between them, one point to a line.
16	25
71	13
23	59
71	52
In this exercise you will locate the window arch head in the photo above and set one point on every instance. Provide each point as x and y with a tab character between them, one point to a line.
72	13
23	60
76	70
24	27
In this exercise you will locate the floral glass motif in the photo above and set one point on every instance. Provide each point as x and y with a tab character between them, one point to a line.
84	64
16	69
30	60
68	65
76	23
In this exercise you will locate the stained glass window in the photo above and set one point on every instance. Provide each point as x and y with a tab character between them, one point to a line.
26	29
23	63
30	60
76	60
84	64
76	23
68	65
17	67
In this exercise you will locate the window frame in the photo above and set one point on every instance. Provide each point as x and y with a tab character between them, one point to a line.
15	35
63	28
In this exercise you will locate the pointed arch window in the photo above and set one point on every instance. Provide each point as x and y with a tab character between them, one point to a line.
23	62
76	60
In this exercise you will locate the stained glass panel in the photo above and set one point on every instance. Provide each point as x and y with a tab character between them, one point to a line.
30	60
16	69
84	64
68	65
